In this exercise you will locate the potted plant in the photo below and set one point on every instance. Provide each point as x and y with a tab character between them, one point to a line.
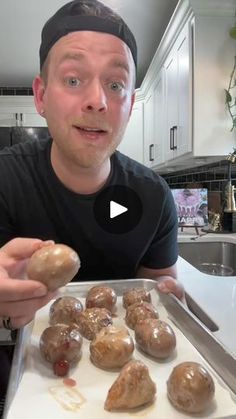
230	92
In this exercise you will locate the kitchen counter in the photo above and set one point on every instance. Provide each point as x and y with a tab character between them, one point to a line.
216	295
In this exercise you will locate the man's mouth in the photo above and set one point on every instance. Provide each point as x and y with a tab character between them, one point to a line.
91	130
88	129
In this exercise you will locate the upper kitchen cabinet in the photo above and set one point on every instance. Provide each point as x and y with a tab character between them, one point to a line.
178	100
196	56
148	122
153	123
19	111
132	142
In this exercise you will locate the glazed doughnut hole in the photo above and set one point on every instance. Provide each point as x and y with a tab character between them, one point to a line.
190	387
61	345
155	337
54	265
135	295
92	320
140	311
65	310
112	347
101	296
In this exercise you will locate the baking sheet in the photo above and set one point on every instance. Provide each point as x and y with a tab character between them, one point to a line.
41	393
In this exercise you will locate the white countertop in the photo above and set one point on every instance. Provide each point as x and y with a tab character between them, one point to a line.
216	295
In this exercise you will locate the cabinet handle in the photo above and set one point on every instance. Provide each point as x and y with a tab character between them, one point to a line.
174	137
17	119
171	138
151	147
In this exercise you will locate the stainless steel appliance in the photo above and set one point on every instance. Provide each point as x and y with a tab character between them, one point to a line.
14	135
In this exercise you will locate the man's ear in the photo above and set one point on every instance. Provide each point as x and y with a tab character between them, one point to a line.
39	90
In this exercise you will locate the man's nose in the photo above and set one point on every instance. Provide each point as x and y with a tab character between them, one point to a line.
95	98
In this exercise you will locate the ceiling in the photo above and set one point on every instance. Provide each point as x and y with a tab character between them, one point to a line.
21	23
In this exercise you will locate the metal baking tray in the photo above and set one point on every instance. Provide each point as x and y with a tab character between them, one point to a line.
199	340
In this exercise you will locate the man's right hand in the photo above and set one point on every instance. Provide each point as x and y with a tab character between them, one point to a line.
19	298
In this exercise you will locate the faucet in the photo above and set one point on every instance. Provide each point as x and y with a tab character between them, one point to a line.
230	189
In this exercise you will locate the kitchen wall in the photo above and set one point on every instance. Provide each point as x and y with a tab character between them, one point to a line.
213	177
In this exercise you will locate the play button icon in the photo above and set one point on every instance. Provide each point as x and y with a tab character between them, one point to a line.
117	209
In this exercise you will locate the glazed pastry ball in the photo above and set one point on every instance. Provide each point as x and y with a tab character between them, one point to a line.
54	265
112	347
190	387
61	343
140	311
135	295
132	388
65	310
101	296
155	337
91	321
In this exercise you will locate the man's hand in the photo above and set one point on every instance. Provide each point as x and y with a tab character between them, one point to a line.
167	284
20	299
166	280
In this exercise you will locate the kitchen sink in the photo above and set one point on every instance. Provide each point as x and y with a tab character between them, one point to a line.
214	258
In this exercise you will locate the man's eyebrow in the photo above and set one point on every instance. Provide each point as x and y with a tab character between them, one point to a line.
77	56
119	64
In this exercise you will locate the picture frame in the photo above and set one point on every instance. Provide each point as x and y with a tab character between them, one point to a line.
191	206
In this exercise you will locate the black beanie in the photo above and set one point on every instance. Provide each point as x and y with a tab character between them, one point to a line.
70	18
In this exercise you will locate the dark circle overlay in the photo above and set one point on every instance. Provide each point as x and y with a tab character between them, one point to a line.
124	222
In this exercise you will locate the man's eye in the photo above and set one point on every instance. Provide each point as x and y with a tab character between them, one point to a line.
72	81
116	87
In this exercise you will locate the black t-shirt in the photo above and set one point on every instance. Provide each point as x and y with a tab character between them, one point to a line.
34	203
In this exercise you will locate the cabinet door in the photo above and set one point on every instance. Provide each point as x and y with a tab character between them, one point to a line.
158	120
171	104
132	142
31	118
28	118
178	77
183	133
19	111
149	146
8	118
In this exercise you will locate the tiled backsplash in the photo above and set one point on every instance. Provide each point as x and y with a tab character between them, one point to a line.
213	177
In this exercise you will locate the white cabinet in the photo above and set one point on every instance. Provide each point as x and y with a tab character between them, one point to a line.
8	118
158	119
132	142
178	103
195	58
149	146
153	123
19	111
21	117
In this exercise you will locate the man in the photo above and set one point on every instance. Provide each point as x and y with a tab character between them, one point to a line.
52	190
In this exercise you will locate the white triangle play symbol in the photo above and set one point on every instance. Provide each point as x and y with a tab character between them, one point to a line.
116	209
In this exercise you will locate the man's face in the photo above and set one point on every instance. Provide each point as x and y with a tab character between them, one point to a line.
88	96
